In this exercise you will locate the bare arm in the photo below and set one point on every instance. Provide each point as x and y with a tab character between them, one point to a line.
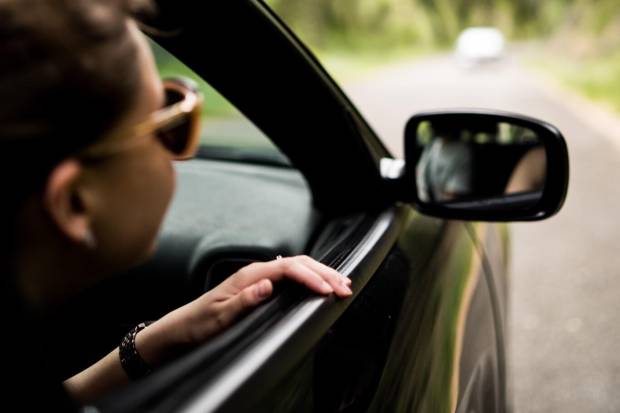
194	323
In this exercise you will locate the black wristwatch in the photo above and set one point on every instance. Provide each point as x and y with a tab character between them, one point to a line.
132	363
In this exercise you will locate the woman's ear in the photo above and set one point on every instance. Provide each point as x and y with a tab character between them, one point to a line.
65	203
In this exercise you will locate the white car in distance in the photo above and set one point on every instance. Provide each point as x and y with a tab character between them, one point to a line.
477	45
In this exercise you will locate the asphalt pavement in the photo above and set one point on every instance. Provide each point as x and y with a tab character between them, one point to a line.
564	339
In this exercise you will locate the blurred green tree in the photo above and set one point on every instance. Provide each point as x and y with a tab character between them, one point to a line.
379	23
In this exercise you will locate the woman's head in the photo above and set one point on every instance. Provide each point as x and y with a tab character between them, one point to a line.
72	73
67	68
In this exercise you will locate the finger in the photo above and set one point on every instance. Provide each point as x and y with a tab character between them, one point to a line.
276	269
273	270
296	270
293	268
338	281
252	273
246	299
329	276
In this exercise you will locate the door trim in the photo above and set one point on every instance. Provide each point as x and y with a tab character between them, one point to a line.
287	341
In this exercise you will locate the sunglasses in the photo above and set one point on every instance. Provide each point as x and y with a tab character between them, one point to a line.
176	126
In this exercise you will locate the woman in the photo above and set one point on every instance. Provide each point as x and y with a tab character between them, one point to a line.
88	139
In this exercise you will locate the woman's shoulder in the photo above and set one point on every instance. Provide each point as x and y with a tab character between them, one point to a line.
29	381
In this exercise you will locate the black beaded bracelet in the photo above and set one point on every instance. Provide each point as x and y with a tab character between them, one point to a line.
132	363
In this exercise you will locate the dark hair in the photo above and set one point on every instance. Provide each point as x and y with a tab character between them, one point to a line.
67	72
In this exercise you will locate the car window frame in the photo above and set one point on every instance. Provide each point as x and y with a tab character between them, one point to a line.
282	330
357	256
266	58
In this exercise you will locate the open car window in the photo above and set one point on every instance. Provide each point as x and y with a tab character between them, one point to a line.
226	133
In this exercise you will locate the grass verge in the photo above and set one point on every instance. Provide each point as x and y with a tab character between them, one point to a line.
597	78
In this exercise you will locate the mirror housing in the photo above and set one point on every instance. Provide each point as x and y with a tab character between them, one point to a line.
484	165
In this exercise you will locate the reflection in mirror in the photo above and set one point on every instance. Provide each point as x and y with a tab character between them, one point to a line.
479	163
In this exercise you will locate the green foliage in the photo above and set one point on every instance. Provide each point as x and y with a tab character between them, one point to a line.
596	77
353	37
326	24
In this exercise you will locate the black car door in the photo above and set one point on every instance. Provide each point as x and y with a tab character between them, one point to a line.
404	341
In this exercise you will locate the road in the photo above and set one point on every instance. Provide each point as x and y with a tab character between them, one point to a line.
565	303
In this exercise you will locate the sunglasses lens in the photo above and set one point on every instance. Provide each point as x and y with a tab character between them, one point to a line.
176	136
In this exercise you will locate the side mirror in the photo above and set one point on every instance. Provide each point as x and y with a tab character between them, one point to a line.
486	166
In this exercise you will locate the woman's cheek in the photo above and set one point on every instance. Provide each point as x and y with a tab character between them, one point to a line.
167	184
147	200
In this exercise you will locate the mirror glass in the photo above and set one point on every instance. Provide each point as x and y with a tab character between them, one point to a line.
481	163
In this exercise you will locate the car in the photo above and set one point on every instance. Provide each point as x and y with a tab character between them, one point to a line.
477	45
425	329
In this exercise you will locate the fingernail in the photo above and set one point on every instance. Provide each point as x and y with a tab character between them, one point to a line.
348	290
326	287
346	280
